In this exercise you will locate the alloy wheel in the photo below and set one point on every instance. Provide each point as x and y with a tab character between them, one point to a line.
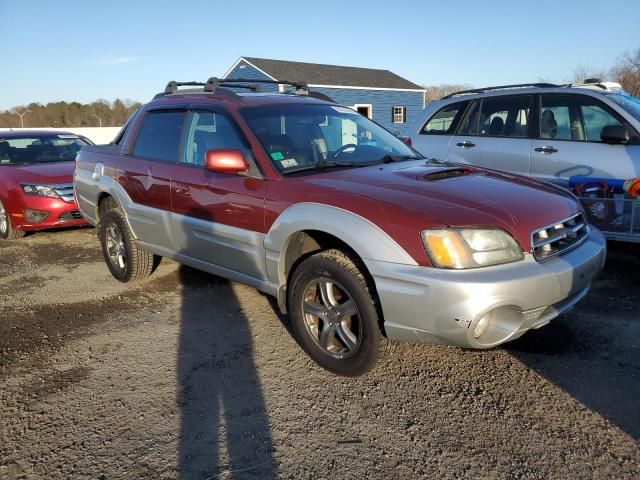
4	220
332	318
116	247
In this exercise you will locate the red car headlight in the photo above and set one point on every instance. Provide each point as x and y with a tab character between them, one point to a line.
39	190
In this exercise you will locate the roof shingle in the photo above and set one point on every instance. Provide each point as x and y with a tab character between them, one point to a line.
320	74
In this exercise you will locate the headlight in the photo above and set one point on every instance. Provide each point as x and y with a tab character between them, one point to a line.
39	191
461	248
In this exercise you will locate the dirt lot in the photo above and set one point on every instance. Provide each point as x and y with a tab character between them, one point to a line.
189	376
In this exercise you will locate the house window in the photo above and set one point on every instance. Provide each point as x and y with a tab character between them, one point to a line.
399	114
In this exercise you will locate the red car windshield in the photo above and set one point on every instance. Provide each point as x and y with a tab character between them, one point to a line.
39	149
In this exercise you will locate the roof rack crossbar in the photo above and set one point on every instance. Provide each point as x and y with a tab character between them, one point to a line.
172	86
503	87
214	83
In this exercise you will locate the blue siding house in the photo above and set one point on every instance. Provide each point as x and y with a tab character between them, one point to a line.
381	95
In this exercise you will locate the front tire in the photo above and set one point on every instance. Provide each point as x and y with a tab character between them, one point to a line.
6	230
126	262
334	313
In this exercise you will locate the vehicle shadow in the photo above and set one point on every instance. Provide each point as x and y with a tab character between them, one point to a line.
593	352
224	427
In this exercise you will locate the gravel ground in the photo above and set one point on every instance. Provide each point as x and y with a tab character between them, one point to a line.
188	376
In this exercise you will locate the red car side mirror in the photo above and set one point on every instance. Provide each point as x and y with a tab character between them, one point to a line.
225	160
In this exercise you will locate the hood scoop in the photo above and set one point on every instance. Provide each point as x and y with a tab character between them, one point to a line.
447	173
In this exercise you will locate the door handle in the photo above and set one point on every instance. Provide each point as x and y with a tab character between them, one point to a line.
98	171
466	144
546	149
182	190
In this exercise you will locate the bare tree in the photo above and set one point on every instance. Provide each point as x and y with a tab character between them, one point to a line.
436	92
584	72
101	109
626	71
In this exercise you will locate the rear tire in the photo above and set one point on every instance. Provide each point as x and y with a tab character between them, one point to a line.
6	230
334	312
126	262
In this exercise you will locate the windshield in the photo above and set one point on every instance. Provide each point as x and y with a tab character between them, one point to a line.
298	137
39	149
629	103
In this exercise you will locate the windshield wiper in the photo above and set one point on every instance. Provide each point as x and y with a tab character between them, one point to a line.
322	165
398	158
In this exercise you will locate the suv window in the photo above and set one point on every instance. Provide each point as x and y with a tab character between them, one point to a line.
208	131
159	135
595	118
574	117
506	116
445	120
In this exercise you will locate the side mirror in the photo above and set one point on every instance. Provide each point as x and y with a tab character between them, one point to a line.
226	160
615	134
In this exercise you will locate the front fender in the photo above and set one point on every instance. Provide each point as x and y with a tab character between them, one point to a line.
368	240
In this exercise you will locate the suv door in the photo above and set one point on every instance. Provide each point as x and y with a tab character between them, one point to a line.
218	218
568	140
146	175
495	133
434	136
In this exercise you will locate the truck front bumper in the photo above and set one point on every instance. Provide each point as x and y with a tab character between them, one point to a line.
431	305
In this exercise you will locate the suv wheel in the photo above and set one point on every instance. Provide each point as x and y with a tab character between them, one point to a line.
6	232
333	310
125	260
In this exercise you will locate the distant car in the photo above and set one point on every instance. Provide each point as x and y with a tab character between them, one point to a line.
550	132
36	181
355	234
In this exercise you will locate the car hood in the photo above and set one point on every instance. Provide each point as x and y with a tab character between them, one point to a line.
42	173
456	195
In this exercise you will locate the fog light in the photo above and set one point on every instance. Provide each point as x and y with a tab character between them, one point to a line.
35	216
482	325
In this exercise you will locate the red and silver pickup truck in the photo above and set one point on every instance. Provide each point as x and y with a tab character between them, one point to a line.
357	235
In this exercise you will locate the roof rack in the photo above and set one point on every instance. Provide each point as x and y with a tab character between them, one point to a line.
502	87
214	83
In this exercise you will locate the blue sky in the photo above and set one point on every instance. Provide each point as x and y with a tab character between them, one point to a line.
85	50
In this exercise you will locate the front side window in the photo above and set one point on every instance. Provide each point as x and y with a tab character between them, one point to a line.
574	117
159	136
506	116
444	121
208	131
399	114
595	118
297	135
39	149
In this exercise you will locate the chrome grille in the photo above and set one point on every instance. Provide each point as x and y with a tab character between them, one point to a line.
65	190
559	237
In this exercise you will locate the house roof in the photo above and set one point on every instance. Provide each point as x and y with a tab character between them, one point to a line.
335	75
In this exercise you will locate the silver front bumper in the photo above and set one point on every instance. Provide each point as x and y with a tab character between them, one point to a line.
430	305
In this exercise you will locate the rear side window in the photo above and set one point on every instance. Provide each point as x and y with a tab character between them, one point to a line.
506	116
159	136
445	120
208	131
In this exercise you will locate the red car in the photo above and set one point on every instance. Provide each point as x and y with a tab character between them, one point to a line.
357	235
36	181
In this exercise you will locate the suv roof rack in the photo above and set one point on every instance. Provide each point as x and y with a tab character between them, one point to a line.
214	84
502	87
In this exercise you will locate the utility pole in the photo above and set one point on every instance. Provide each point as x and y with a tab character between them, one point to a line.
26	110
99	119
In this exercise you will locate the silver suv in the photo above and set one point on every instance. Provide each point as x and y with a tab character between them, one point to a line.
551	132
